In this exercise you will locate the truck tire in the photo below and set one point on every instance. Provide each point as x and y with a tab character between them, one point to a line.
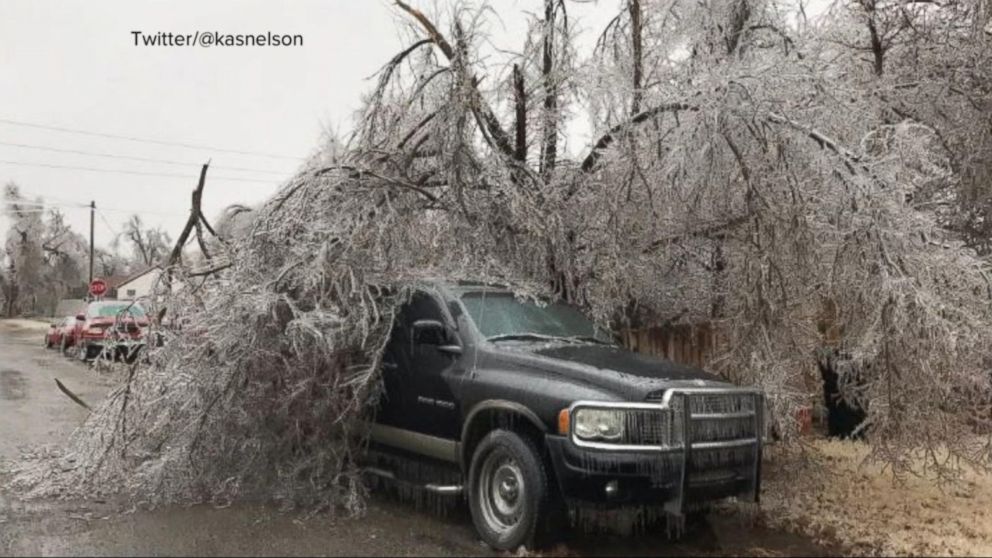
63	346
508	490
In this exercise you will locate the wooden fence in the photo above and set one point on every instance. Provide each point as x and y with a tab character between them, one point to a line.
698	343
687	344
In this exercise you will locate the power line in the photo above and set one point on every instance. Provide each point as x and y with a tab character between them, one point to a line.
24	202
45	197
143	140
139	173
133	158
47	202
143	212
36	207
70	204
103	218
41	208
30	211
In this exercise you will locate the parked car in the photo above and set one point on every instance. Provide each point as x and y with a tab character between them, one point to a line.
527	409
59	331
115	328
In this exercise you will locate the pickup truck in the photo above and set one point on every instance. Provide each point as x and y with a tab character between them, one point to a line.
528	410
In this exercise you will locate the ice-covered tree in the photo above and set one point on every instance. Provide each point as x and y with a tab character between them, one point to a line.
148	245
24	254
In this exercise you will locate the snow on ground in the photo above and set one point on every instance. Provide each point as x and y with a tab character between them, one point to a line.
23	324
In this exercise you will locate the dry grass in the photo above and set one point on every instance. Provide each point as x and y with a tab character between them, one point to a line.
841	497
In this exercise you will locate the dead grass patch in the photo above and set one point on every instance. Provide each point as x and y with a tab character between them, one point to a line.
841	497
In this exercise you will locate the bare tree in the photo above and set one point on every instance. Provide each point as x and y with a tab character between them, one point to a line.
109	262
65	254
149	246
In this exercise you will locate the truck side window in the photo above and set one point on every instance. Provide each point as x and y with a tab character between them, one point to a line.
422	306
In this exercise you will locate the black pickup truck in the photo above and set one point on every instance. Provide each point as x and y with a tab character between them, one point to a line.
528	409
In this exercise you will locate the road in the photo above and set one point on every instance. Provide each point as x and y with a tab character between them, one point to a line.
33	411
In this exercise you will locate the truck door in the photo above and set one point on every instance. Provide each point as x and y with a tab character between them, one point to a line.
395	377
427	374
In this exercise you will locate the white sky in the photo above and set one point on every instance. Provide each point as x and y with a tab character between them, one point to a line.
73	64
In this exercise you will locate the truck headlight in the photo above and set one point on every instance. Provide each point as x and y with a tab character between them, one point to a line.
598	424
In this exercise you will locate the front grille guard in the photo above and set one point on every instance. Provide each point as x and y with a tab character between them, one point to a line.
683	406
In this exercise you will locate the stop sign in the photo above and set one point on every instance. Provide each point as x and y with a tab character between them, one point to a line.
98	287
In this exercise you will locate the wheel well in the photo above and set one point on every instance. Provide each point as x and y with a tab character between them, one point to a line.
486	420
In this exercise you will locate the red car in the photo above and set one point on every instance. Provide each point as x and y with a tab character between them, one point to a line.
60	334
117	326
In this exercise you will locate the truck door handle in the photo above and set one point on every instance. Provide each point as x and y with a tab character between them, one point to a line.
390	365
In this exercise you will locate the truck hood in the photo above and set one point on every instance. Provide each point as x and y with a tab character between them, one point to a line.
629	375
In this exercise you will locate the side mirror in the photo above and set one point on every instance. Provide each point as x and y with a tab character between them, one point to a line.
54	325
80	317
435	334
450	349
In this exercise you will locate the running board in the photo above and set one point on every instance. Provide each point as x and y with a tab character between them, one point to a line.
442	489
381	473
445	489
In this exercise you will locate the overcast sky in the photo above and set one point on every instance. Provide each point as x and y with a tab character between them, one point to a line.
74	65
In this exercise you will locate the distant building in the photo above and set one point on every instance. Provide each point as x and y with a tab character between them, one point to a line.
138	286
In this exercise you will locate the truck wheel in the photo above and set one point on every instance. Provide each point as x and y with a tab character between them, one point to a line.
63	347
82	352
508	490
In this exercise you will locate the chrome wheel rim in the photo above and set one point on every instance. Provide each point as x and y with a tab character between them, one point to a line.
501	492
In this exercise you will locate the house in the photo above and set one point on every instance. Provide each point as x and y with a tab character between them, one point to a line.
138	286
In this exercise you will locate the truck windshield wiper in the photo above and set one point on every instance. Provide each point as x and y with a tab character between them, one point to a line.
523	336
543	337
587	338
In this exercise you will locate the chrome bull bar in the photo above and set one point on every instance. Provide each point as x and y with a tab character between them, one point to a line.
686	410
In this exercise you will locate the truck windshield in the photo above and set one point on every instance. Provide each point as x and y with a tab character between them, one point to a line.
500	315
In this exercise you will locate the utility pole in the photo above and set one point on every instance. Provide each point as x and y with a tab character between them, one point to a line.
92	212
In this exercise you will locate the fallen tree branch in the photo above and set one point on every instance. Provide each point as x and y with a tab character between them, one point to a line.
360	172
592	159
194	216
849	158
71	395
193	222
211	270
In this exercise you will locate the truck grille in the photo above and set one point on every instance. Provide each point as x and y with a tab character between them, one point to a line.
706	403
725	417
716	419
649	427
